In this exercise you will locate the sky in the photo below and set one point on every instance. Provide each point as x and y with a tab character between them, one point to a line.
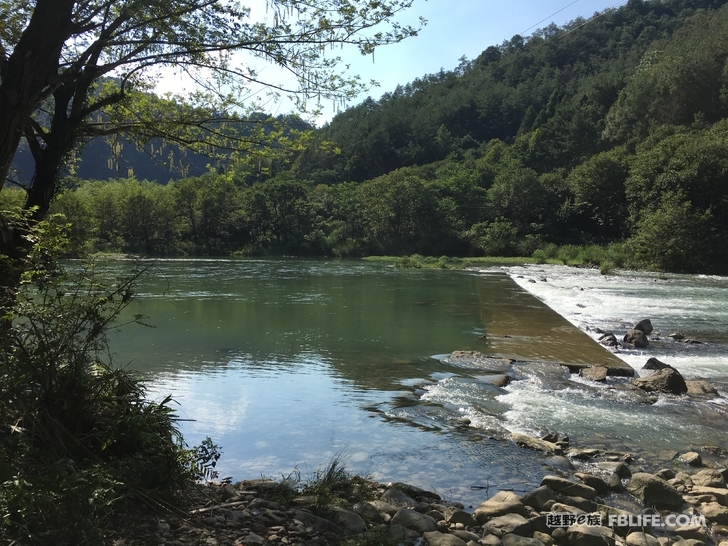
455	28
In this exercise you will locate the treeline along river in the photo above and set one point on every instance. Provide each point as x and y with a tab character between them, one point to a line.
287	362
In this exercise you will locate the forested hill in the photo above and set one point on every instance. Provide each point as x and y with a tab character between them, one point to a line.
610	131
562	94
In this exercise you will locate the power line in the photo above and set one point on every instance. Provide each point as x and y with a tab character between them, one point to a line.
549	17
557	36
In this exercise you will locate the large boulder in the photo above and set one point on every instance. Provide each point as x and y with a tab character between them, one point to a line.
636	338
582	535
654	364
714	512
538	498
435	538
351	521
503	502
708	478
654	491
645	325
593	481
700	387
720	494
508	523
414	520
594	373
667	380
397	497
568	487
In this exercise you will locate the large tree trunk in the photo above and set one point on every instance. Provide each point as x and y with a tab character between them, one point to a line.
31	72
26	77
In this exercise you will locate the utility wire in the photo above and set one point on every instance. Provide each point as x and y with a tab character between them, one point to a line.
557	36
549	17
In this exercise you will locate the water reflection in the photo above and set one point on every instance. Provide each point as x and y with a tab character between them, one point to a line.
286	362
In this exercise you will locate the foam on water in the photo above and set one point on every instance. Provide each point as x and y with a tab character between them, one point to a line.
697	306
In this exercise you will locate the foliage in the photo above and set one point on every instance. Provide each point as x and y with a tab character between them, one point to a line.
552	141
78	436
674	236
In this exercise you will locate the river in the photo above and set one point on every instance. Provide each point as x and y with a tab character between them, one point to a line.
286	363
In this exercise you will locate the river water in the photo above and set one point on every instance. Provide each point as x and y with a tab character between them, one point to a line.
286	363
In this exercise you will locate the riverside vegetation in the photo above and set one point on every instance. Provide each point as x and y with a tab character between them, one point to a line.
80	441
605	133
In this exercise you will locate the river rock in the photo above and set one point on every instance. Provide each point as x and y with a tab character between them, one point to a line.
654	364
714	512
350	521
692	458
490	540
609	340
692	531
568	487
476	359
318	523
667	380
665	473
689	542
636	338
617	467
414	520
580	502
538	498
516	540
545	538
594	373
508	523
384	507
708	478
397	497
645	325
465	536
700	387
641	538
581	535
503	502
653	491
593	481
720	494
534	443
563	508
583	454
614	483
456	515
368	512
436	538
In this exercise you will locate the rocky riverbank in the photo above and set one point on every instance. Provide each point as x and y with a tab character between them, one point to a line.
597	498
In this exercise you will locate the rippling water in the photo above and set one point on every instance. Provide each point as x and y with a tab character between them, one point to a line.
286	363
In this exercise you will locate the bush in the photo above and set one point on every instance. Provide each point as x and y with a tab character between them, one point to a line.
78	437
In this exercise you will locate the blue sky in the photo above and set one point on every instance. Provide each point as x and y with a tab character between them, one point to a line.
456	28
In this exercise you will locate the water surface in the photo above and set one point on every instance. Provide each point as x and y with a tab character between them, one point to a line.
287	362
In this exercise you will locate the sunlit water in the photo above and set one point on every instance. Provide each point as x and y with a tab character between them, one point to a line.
286	363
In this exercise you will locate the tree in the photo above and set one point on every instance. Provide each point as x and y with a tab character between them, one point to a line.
72	70
599	194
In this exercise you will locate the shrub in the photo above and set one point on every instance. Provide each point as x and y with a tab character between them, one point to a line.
78	436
